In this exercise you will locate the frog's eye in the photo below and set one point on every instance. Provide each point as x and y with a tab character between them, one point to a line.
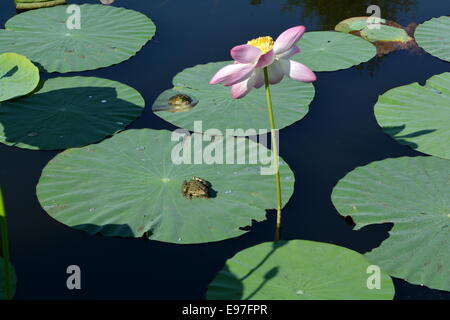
174	101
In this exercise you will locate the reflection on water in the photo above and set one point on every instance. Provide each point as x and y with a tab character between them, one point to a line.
328	13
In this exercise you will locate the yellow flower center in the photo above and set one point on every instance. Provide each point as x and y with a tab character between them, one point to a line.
265	44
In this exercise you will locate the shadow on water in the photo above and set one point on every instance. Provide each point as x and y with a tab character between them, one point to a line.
64	118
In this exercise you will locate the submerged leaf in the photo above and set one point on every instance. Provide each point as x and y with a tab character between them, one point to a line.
3	281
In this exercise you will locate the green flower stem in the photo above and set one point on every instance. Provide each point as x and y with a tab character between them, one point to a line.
5	249
273	133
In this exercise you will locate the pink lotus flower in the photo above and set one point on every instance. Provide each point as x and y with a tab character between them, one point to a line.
250	59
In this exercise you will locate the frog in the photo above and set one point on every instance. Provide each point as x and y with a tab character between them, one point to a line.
196	187
180	102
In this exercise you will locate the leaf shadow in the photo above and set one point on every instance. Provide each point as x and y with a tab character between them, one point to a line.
395	131
234	286
63	118
10	73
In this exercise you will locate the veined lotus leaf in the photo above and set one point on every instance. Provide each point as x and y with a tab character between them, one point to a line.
434	37
18	76
12	280
418	116
215	107
356	24
413	194
68	112
298	270
51	37
330	50
131	185
385	33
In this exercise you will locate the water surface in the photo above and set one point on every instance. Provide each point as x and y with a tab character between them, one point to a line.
339	133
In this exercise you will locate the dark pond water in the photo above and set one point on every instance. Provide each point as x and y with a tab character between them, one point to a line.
338	134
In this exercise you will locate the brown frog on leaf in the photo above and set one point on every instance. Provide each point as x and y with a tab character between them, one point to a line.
195	188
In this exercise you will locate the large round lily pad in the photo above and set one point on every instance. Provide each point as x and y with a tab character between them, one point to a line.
418	116
434	37
414	194
217	109
3	282
330	50
298	270
18	76
107	35
68	112
130	185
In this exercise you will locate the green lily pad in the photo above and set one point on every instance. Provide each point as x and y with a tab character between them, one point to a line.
12	280
354	24
129	185
298	270
69	112
18	76
217	109
413	193
330	50
418	116
107	35
35	4
434	37
385	33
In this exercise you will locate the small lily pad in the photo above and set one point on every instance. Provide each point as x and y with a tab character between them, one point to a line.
12	280
131	185
418	116
434	37
330	50
18	76
413	194
298	270
69	112
51	37
355	24
215	107
36	4
385	33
